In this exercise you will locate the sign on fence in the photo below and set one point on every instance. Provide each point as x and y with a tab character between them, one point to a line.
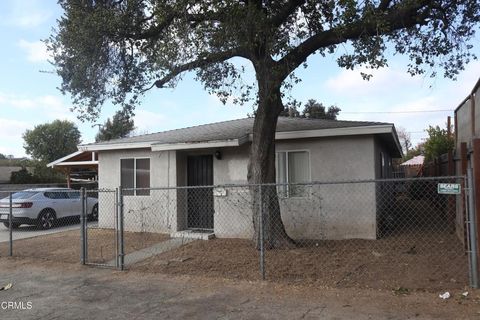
449	188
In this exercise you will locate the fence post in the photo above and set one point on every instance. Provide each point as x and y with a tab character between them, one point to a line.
120	220
472	227
83	238
262	235
10	228
116	227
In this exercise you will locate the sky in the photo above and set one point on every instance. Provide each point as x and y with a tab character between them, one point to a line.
29	94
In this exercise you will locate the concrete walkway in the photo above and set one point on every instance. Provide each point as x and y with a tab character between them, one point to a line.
154	250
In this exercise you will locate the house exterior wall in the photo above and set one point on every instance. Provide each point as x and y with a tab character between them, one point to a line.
153	213
334	211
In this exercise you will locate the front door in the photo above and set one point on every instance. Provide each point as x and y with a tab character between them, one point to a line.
200	200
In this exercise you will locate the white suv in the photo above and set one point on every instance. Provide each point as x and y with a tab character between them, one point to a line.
44	206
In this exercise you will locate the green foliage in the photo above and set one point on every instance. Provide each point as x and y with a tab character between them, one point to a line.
36	172
312	109
116	50
21	177
120	126
437	143
2	156
51	141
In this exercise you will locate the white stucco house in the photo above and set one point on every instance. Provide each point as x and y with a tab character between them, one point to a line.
217	154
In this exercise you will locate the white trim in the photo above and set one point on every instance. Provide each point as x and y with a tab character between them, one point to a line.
135	174
349	131
115	146
71	155
75	163
200	145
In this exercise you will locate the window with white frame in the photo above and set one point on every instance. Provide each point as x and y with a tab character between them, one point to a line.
292	167
135	174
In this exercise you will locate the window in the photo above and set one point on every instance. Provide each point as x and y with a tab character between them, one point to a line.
135	174
293	167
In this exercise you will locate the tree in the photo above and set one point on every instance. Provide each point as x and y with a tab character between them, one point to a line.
312	109
437	143
50	141
2	156
117	50
316	110
405	140
120	126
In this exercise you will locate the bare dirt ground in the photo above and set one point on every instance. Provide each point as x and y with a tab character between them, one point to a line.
65	246
69	291
402	262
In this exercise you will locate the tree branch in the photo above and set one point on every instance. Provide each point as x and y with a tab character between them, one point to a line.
286	11
203	60
396	18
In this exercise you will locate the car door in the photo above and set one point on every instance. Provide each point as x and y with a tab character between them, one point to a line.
75	203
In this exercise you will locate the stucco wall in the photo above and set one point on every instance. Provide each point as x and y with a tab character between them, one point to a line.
153	213
333	211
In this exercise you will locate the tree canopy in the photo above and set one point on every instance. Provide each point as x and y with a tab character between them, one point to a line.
51	141
437	143
117	50
312	109
120	126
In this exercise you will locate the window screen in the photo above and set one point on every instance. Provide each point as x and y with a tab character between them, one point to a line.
127	176
143	176
298	172
292	167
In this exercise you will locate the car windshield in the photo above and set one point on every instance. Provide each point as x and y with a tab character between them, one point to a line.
24	194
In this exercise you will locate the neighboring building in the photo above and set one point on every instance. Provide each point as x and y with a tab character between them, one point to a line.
217	154
413	167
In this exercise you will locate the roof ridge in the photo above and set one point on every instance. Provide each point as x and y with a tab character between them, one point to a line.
172	130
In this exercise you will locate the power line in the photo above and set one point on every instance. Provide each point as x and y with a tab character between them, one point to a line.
415	111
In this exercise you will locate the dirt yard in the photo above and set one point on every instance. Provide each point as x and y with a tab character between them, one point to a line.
70	291
65	246
399	263
403	262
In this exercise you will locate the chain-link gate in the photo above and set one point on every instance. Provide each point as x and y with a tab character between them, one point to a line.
100	228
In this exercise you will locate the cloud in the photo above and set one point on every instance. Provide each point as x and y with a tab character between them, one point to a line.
36	50
351	82
26	14
48	107
148	122
11	132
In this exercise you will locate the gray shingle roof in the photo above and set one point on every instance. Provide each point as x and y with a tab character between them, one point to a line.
235	129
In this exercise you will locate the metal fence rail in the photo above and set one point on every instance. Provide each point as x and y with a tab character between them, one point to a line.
397	233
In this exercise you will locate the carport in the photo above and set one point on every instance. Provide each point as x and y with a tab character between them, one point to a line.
80	164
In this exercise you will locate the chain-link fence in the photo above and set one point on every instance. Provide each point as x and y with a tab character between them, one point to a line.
43	222
399	233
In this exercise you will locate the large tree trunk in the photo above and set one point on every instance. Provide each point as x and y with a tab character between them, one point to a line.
261	168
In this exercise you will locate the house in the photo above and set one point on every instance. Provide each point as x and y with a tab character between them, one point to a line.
217	154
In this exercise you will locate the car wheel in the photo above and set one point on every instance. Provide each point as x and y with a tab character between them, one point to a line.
14	225
93	216
46	219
